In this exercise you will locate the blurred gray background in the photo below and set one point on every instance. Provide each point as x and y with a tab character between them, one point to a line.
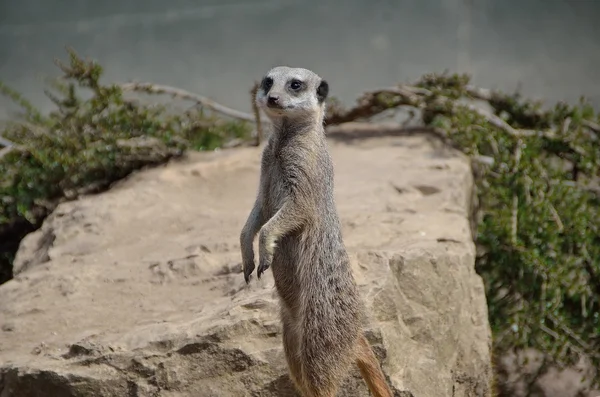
218	48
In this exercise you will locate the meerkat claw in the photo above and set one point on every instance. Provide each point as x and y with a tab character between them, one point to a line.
248	273
261	269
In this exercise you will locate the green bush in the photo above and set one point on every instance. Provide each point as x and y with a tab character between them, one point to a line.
85	145
539	216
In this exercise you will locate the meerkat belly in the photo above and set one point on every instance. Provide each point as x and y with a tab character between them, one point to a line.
286	259
315	265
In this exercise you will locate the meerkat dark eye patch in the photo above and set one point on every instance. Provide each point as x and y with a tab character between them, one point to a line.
322	91
296	85
266	84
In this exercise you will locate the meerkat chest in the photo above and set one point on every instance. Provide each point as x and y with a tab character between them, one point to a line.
275	189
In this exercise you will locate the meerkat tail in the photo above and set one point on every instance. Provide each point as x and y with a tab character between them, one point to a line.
371	371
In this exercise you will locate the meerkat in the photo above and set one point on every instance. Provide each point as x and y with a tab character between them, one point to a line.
300	239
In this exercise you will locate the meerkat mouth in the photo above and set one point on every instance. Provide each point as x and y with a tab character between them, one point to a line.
278	106
279	109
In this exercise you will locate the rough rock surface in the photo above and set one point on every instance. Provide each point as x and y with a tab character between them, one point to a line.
138	291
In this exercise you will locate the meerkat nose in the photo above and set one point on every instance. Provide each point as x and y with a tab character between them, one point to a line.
273	99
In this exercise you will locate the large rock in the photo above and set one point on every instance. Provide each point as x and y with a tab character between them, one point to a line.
138	291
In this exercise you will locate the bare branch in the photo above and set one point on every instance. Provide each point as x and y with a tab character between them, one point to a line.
591	125
514	222
8	146
492	119
4	151
569	332
256	111
370	105
556	217
179	93
479	93
566	125
5	142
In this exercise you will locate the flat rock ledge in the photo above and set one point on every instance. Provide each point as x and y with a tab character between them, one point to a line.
138	291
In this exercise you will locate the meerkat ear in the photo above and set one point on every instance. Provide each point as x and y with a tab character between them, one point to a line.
322	91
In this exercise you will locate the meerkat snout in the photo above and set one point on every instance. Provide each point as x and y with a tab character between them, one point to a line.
273	101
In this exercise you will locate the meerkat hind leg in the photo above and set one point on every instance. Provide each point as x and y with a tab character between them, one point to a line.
327	390
291	349
323	369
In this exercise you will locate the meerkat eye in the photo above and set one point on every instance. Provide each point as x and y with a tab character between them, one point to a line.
267	83
296	84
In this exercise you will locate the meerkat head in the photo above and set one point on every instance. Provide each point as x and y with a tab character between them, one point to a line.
292	93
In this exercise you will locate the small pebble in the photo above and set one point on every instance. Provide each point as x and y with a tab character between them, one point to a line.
8	327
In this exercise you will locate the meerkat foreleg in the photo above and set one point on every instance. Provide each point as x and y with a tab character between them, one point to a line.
287	218
253	224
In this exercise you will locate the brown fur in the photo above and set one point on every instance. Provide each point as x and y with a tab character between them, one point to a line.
300	239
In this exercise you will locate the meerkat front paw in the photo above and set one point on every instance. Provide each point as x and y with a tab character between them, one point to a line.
263	265
264	261
247	254
248	268
265	253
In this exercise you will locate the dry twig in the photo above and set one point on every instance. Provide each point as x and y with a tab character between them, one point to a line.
4	151
370	104
591	125
5	142
8	146
256	111
179	93
479	93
